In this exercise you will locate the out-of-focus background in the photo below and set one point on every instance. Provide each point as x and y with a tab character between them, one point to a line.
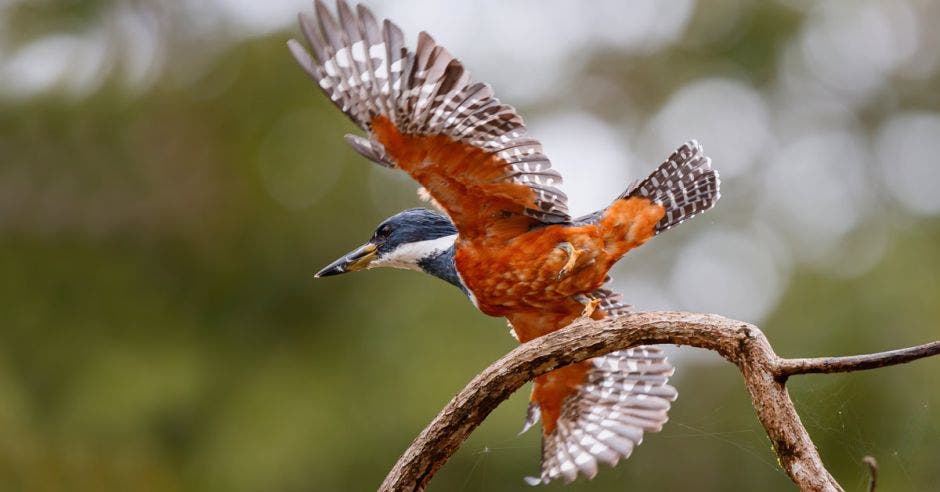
170	181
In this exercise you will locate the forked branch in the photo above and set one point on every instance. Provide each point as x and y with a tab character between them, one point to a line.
765	375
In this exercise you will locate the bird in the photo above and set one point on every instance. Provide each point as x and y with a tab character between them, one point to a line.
499	228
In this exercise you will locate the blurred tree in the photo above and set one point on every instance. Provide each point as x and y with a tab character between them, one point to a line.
160	328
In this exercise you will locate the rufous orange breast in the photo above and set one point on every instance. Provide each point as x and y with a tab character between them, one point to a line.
546	267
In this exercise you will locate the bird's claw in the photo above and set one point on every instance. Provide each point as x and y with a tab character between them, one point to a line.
573	254
590	305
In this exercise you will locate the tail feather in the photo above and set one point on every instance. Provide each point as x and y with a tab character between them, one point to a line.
624	395
686	185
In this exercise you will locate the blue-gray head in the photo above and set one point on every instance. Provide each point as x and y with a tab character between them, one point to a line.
416	239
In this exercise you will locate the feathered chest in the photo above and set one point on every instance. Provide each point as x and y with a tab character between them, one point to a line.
541	269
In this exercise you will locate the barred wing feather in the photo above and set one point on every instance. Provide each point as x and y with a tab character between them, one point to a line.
624	395
424	114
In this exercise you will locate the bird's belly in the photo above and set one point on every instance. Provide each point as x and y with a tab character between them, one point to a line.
530	273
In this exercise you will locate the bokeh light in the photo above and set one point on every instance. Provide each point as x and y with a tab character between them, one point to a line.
170	180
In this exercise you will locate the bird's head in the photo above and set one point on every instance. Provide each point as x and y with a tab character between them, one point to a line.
414	239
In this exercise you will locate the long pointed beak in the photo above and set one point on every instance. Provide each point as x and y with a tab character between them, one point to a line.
353	261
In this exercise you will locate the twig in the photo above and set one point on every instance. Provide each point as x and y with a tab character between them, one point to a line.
826	365
740	343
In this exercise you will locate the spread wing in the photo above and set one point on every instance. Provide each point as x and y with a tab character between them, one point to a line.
596	411
624	394
425	115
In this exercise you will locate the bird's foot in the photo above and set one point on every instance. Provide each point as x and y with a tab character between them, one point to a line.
573	254
512	331
590	305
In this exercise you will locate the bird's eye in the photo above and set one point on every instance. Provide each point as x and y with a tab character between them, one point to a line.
384	231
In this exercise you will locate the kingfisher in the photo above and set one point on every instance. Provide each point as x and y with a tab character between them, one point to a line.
501	231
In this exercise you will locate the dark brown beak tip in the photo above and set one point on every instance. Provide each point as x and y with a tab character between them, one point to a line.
330	270
351	262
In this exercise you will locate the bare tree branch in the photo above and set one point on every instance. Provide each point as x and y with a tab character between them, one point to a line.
826	365
740	343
